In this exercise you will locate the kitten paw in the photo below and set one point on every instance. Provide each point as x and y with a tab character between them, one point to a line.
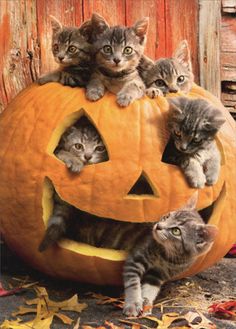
95	94
147	307
134	309
123	99
211	180
197	182
73	165
154	92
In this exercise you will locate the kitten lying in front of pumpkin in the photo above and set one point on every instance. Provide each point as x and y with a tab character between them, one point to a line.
157	252
117	51
72	50
193	124
168	75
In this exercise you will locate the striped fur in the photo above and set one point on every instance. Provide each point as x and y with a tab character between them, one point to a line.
193	125
168	75
117	53
155	253
72	51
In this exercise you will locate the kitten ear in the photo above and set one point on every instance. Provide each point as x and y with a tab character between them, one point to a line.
99	24
215	121
56	24
192	202
210	232
182	54
174	107
140	28
86	30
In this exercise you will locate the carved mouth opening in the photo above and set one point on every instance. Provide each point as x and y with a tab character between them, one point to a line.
210	214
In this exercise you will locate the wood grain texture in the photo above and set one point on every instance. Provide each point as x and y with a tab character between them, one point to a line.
229	6
25	32
19	54
228	66
209	45
182	23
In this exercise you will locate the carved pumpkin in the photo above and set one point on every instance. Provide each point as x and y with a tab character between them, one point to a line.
135	138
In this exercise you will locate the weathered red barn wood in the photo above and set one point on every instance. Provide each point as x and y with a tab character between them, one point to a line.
182	23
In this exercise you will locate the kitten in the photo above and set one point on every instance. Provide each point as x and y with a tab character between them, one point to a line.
157	252
80	145
71	49
168	75
117	53
193	124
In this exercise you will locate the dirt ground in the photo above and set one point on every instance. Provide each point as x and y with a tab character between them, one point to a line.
196	293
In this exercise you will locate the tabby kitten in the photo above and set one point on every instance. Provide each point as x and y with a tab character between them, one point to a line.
72	51
193	124
80	145
168	75
157	252
117	53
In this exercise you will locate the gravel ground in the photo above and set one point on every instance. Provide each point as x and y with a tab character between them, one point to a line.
196	293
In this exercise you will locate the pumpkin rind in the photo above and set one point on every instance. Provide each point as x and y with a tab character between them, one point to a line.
135	138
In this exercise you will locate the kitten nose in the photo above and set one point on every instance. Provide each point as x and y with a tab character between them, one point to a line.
88	157
157	226
183	148
61	58
116	60
173	90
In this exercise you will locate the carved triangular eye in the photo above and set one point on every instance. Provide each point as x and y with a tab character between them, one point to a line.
142	186
81	143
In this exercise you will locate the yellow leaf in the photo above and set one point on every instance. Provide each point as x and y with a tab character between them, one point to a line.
76	326
204	323
24	310
17	324
64	318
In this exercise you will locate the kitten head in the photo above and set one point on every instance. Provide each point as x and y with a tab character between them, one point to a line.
84	142
193	123
70	45
174	74
119	48
183	232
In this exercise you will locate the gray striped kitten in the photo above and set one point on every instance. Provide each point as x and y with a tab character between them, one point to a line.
79	146
117	54
157	252
168	75
193	124
72	51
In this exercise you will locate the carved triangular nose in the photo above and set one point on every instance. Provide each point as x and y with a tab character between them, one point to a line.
141	186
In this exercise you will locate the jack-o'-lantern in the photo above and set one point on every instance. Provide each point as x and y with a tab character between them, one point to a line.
135	138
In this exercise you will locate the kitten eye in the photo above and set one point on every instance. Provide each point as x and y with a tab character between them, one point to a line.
55	47
107	49
176	231
177	133
72	49
181	79
79	147
160	83
127	50
197	140
100	148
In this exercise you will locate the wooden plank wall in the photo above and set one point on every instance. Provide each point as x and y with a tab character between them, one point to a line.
228	55
25	32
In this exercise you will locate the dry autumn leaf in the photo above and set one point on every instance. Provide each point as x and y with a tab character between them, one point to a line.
45	310
197	320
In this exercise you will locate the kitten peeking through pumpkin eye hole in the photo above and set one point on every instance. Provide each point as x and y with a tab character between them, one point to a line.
81	145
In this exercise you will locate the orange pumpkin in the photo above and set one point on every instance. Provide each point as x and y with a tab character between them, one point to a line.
135	137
